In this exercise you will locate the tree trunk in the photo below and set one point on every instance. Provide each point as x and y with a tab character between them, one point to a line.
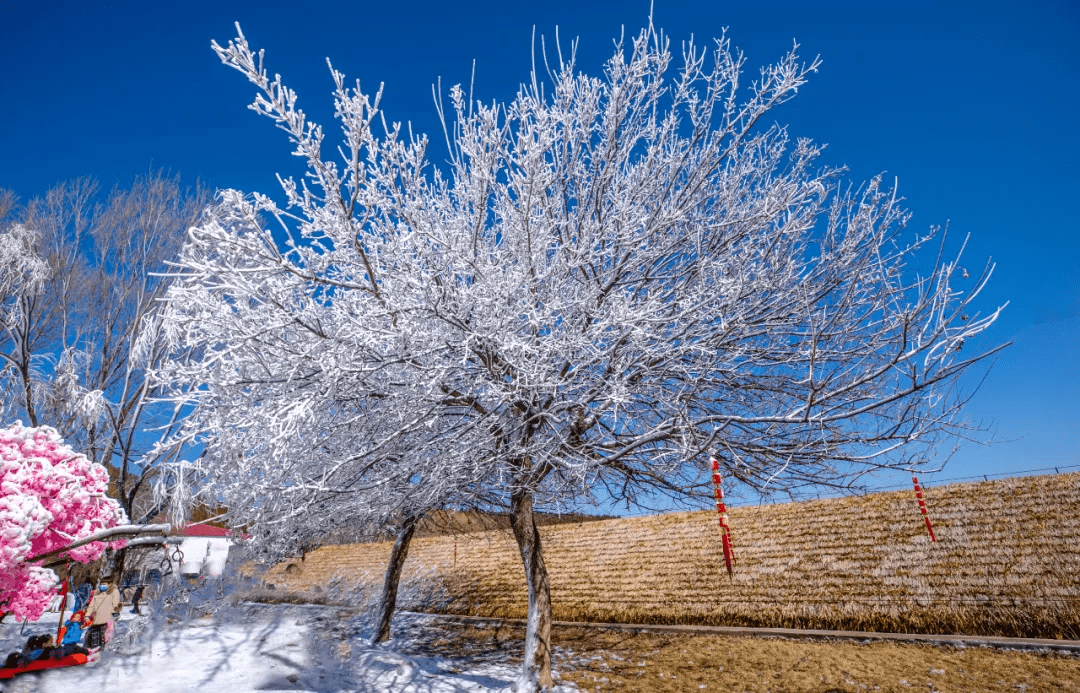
28	393
120	567
393	576
536	669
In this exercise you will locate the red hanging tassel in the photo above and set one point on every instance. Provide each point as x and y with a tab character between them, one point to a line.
721	511
922	507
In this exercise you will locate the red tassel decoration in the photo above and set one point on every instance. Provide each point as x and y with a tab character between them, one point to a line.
721	511
922	507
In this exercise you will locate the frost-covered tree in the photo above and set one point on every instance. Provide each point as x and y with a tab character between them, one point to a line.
299	439
291	484
50	498
612	279
76	290
22	275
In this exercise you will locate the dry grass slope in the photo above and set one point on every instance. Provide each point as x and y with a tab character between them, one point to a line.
1007	563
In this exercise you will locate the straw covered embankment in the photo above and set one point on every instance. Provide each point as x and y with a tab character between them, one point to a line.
1006	563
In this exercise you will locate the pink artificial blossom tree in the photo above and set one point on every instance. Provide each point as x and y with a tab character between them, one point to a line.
50	496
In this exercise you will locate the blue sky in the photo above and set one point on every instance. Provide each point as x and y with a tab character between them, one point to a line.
973	107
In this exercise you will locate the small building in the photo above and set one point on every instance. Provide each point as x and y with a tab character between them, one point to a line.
204	550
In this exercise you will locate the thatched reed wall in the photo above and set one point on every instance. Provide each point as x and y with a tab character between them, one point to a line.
1007	562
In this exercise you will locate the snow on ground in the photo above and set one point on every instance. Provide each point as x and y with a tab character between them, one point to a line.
262	647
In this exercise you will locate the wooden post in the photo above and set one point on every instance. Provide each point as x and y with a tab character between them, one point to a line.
922	507
63	606
721	511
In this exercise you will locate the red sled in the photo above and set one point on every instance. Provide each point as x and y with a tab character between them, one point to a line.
37	665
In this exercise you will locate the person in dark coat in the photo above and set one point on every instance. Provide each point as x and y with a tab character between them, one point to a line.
135	599
37	647
82	596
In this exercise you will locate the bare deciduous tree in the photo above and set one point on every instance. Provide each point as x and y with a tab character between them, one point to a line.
70	339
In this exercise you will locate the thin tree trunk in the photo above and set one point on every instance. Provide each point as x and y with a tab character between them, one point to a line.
393	576
28	394
119	567
536	669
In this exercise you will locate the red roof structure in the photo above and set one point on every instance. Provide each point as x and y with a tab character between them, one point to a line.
197	529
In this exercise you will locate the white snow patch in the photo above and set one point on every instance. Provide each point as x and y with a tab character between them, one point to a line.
258	648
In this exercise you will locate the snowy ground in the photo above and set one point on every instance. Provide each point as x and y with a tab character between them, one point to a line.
307	648
259	648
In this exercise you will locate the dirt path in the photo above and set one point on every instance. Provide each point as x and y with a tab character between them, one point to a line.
619	660
1035	644
665	663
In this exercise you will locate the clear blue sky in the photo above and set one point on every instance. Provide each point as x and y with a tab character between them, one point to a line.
972	106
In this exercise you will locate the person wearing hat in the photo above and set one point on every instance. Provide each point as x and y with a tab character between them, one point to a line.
71	636
101	611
